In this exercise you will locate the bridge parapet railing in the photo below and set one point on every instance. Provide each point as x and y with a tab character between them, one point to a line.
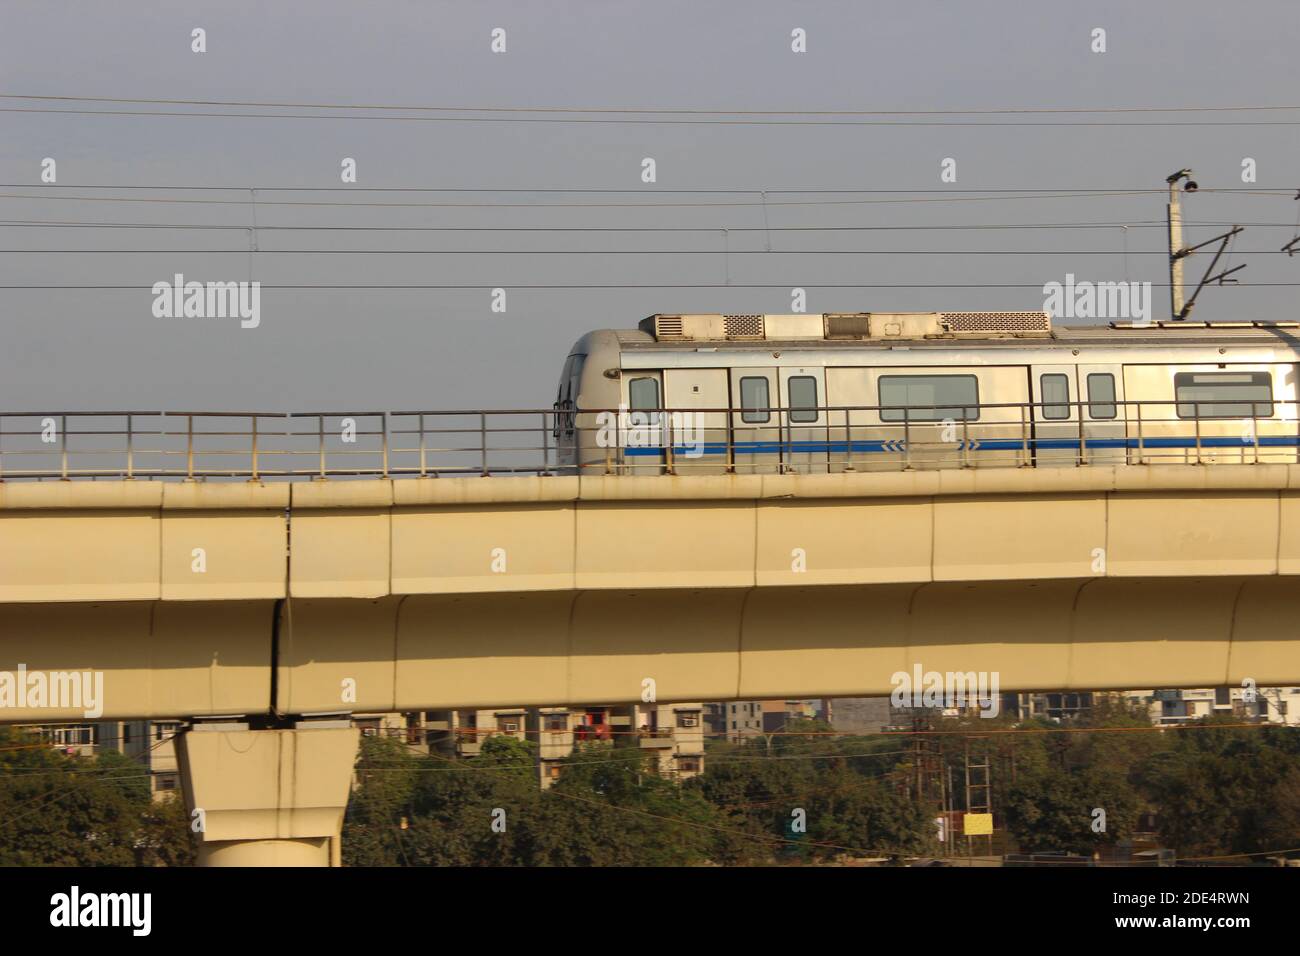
280	446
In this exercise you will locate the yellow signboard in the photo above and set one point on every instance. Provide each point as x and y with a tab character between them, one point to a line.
977	824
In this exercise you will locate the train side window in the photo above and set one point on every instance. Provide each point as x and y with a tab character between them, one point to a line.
755	401
1101	395
1055	391
643	394
1224	394
802	390
929	398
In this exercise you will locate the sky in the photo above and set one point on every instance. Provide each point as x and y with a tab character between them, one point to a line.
504	172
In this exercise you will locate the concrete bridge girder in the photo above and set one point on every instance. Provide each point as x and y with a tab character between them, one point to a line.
98	541
462	592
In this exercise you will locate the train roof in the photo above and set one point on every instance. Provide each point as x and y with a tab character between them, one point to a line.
935	329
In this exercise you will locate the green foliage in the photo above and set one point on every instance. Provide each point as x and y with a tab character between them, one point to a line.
59	810
804	795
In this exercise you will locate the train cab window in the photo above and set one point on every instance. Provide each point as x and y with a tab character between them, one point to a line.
755	401
1054	389
1101	395
1224	394
802	391
643	394
929	398
563	399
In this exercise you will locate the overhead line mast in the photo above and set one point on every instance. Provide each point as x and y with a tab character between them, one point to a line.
1178	308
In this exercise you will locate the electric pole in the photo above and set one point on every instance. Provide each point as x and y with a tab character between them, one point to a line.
1176	251
1178	308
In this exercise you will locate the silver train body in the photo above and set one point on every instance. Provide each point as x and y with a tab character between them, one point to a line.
711	394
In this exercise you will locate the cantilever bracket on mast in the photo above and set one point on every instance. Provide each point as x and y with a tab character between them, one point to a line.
1290	248
1223	241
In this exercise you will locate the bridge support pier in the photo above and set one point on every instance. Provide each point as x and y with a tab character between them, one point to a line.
267	797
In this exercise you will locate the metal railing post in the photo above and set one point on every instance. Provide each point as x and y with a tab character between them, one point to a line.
1196	411
1024	436
1083	446
965	440
666	428
63	455
1254	431
907	439
130	449
731	442
383	430
848	441
422	453
546	447
1142	458
482	434
254	475
189	447
320	447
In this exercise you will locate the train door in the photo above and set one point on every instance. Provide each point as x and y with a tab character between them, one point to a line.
1056	415
639	435
1105	416
755	423
698	421
804	421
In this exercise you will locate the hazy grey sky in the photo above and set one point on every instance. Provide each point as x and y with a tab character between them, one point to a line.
376	349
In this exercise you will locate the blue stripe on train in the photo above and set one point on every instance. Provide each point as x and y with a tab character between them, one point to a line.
996	444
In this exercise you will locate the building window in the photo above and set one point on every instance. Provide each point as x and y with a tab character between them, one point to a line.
167	781
1055	391
689	764
1224	394
754	400
687	720
557	721
802	390
1101	395
510	727
929	398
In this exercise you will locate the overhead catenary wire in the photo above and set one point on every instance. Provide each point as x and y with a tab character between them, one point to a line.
539	287
281	104
649	203
714	230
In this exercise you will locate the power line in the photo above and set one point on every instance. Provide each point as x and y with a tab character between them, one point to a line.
1145	124
651	110
352	187
646	204
712	230
630	252
611	285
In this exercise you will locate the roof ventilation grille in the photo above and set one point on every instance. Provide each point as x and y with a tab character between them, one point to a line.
668	327
993	322
742	326
855	325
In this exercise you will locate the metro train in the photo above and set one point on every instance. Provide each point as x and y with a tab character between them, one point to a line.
805	393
